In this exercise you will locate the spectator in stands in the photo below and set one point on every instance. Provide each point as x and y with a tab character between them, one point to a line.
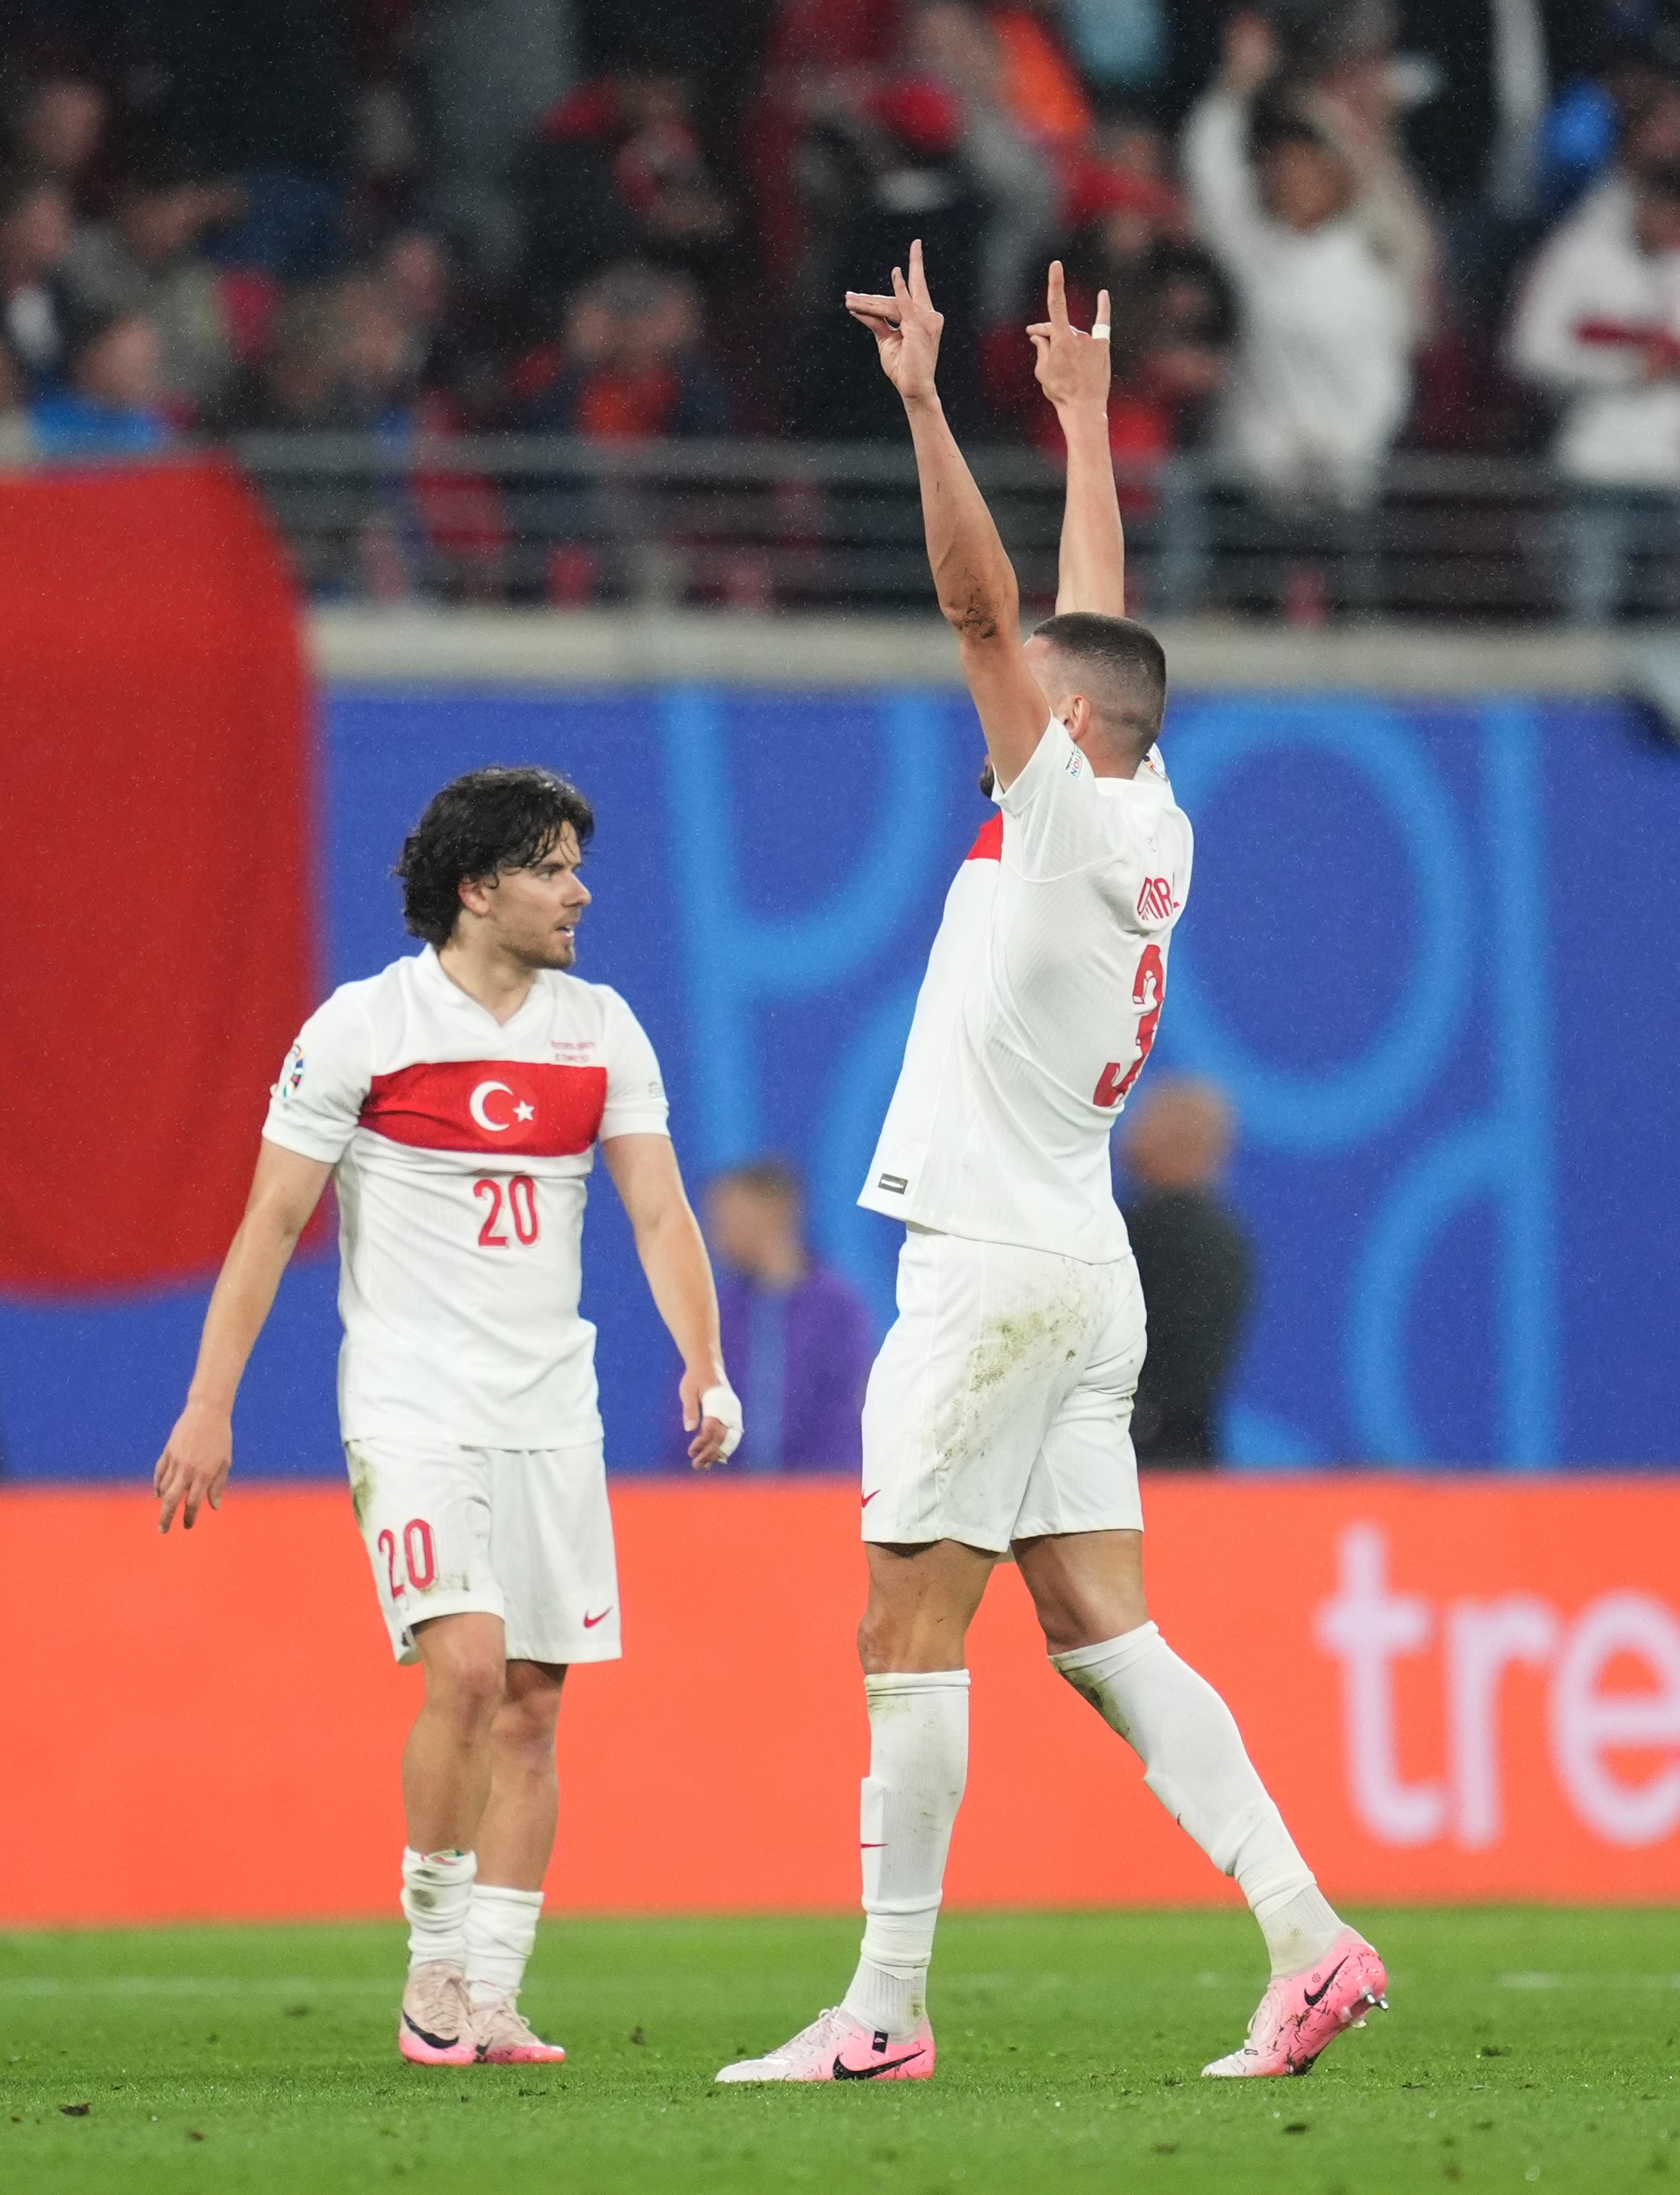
954	44
883	161
1194	1261
111	405
146	260
1321	380
630	366
488	71
302	379
1598	327
59	130
617	172
797	1337
37	231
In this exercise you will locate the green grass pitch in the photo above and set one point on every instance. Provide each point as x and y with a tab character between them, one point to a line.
1525	2048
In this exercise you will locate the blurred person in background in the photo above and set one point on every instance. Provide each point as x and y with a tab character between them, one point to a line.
112	404
487	72
954	44
59	130
1329	307
1121	46
617	172
1174	321
37	231
1195	1262
147	259
301	379
797	1336
1597	329
630	365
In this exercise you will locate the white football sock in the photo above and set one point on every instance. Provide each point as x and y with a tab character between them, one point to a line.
500	1936
1194	1762
436	1889
918	1762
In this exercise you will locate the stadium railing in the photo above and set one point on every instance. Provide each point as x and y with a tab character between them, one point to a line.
764	524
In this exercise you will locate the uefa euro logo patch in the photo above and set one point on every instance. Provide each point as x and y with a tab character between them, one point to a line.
291	1075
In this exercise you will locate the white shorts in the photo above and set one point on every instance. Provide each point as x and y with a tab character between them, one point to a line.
999	1408
524	1534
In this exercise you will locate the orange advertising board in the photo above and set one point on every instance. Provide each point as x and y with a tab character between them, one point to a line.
1456	1689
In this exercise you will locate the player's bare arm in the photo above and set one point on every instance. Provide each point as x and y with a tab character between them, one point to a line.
673	1255
1071	368
198	1453
972	572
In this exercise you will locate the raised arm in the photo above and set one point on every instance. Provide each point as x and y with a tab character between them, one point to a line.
1072	371
198	1453
972	572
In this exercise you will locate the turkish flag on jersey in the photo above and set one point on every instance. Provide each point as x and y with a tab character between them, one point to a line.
154	829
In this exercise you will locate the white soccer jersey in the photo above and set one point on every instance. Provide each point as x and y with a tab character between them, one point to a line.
1040	1002
462	1150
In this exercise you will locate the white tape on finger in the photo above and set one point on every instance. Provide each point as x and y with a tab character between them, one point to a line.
724	1404
1100	333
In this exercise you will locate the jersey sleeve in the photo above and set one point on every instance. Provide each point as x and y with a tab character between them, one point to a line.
636	1091
314	1107
1061	821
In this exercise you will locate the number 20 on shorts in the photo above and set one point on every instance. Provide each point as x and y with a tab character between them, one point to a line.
419	1556
519	1197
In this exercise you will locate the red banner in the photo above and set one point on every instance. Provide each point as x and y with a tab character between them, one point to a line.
154	835
1455	1690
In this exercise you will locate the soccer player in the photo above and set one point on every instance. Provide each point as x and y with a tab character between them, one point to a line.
997	1413
457	1099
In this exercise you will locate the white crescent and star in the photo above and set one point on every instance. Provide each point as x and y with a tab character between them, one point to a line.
478	1107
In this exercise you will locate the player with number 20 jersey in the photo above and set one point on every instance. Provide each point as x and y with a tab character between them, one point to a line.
457	1101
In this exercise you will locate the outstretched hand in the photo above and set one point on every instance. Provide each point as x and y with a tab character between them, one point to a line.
1072	366
905	328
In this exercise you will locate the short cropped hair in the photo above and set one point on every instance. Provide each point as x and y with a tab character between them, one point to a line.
482	825
765	1177
1125	664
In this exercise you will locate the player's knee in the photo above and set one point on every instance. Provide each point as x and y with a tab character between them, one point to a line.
467	1684
525	1731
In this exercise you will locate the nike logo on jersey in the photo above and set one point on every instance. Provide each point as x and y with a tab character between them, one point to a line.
589	1622
1316	1997
843	2072
868	1498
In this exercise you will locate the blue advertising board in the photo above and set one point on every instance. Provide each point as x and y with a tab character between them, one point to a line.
1431	951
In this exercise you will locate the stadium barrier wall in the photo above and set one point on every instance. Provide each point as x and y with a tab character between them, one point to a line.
1429	949
1457	1689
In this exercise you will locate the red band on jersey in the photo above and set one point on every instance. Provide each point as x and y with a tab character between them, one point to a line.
489	1105
989	845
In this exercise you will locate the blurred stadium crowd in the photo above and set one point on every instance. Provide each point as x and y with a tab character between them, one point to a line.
1332	228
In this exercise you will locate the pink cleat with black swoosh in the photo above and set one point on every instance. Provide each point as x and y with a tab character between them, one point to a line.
1301	2013
835	2046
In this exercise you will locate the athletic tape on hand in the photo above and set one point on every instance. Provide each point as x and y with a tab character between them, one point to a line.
1101	331
724	1404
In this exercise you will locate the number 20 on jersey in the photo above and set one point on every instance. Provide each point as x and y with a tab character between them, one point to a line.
511	1216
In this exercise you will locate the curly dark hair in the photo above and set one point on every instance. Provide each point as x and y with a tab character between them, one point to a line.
482	825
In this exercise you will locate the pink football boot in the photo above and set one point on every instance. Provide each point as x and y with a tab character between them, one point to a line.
835	2046
503	2035
435	2028
1301	2013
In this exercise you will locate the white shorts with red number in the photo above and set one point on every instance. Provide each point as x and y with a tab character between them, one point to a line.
999	1408
524	1534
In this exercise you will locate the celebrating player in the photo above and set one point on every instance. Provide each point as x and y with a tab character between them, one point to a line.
997	1415
457	1099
